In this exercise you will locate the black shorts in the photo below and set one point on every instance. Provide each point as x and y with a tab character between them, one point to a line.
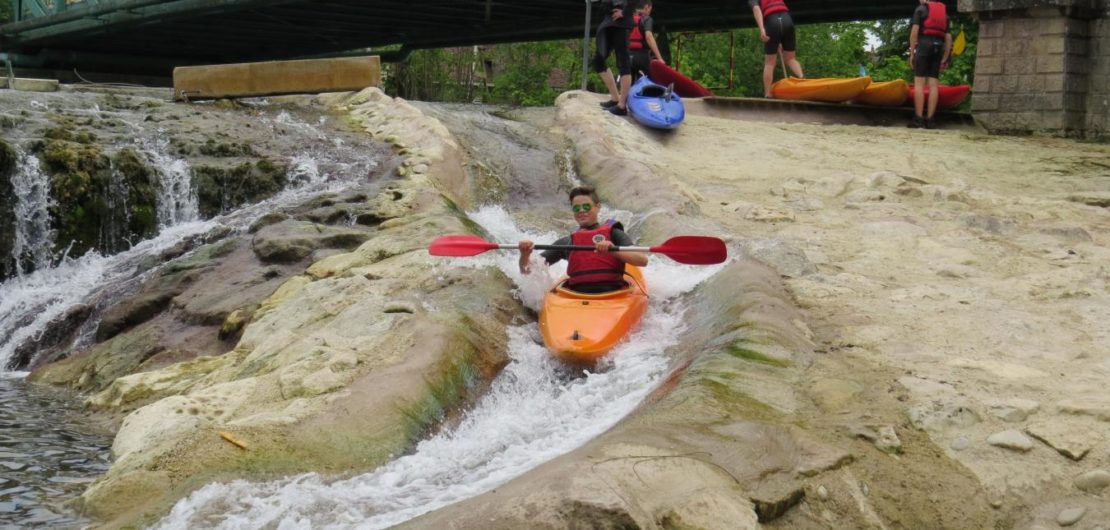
780	27
613	39
926	61
641	62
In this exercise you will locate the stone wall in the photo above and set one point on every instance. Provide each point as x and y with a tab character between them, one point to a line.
1098	97
1042	66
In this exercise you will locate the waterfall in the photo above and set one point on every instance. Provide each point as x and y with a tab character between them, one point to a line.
34	238
177	198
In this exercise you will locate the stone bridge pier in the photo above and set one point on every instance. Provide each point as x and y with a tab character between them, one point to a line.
1043	66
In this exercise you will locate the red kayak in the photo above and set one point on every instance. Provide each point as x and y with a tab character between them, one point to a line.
950	96
685	87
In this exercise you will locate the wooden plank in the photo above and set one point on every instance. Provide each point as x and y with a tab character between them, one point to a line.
276	77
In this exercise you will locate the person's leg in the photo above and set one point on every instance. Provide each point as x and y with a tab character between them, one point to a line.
792	62
934	97
619	37
601	55
768	74
789	43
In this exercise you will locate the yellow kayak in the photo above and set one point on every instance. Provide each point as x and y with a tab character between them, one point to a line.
581	328
830	89
884	94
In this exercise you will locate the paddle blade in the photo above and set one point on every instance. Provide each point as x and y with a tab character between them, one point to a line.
459	246
960	44
694	250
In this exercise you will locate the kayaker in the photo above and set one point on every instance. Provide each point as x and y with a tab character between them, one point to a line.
776	29
641	40
589	272
612	38
930	48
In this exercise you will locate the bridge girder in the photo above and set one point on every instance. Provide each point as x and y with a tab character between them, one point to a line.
208	31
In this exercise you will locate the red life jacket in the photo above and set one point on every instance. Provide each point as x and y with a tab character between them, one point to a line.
770	7
936	24
587	266
636	36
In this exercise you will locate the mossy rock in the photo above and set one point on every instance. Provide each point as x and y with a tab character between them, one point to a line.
225	149
90	189
221	189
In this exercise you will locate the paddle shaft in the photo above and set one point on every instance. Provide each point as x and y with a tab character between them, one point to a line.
613	248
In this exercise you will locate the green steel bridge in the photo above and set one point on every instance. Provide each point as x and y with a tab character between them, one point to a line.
153	36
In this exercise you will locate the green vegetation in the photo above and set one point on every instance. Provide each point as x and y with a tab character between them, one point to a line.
739	350
728	62
6	14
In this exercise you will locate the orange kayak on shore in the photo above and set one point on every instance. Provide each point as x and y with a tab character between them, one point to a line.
829	89
884	94
581	328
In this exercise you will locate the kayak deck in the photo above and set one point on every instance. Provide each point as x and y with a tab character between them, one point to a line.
581	328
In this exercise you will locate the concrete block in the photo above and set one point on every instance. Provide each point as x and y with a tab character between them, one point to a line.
1019	65
30	85
1048	45
1022	28
276	77
1051	64
989	65
1005	84
992	29
1030	84
1020	103
1077	64
1054	26
1075	102
985	47
1075	46
981	102
1052	102
983	83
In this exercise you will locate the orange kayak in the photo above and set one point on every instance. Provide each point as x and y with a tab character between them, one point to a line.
884	94
581	328
829	89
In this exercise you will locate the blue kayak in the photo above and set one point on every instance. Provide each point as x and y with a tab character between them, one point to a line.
655	106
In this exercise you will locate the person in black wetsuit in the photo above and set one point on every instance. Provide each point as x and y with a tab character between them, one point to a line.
612	38
641	40
930	48
776	29
589	272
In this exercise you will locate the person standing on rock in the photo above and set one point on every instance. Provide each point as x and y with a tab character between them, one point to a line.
930	48
641	40
589	272
776	30
612	38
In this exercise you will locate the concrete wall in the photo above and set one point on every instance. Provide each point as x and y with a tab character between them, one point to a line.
1042	66
1098	97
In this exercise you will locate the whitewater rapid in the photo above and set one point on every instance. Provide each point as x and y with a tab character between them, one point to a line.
533	413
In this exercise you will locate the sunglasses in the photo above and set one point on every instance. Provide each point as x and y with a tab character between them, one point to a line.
582	207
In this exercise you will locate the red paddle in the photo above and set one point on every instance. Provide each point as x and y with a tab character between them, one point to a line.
692	250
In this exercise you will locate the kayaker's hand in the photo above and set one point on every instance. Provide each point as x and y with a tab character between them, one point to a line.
618	14
763	36
603	246
525	254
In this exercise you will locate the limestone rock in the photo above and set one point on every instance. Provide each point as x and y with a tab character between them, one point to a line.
1070	516
290	241
1011	439
1093	481
1098	408
1067	438
788	260
767	214
1013	410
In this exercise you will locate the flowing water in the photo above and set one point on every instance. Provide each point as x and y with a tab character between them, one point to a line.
47	453
533	413
46	460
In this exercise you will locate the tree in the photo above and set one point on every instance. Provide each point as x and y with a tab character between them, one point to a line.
6	12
